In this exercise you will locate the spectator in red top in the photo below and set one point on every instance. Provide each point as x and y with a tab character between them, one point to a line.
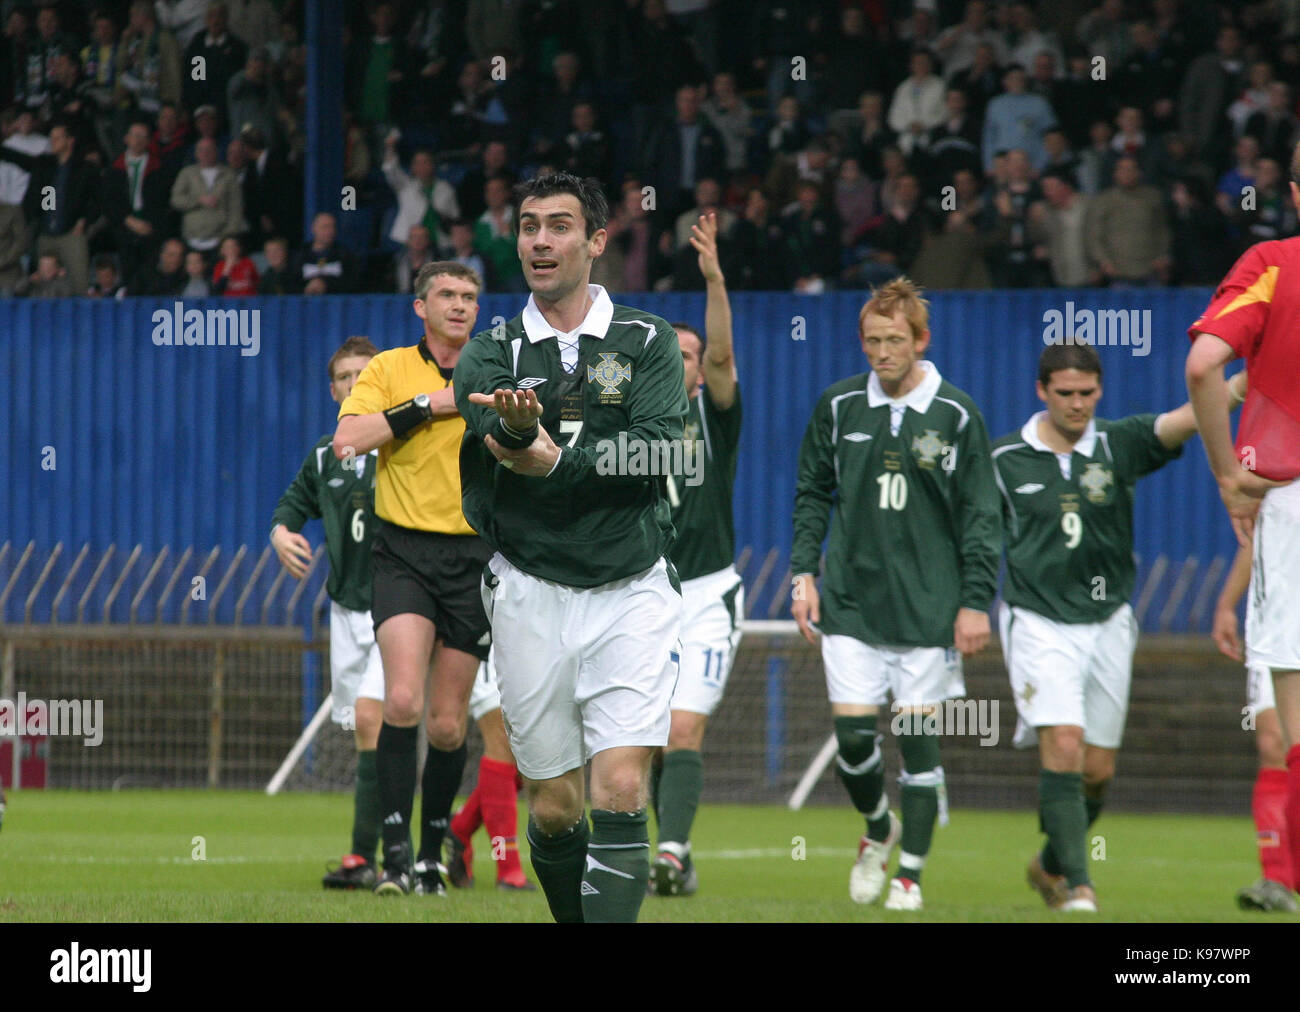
235	274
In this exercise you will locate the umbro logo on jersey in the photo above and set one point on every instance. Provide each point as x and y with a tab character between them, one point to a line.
1030	488
857	437
334	482
528	382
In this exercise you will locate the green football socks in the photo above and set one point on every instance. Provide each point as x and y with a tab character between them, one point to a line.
680	784
1064	818
862	771
921	785
365	806
618	867
558	862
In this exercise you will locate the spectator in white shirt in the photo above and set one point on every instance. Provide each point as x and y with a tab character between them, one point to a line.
422	198
918	105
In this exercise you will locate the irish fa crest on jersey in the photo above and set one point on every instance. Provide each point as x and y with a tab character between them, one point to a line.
1095	480
611	375
928	449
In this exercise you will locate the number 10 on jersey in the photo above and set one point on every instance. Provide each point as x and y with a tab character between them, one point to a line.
893	491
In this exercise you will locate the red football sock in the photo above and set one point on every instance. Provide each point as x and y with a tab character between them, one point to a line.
1293	808
500	815
465	823
1269	806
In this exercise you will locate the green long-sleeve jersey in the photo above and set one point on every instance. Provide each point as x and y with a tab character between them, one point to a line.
1069	518
343	498
907	490
603	513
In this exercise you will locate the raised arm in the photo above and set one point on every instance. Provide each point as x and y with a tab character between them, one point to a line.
719	365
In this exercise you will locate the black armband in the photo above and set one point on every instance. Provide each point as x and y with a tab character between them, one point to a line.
404	417
512	440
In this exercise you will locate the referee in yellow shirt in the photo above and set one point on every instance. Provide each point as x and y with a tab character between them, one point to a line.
428	564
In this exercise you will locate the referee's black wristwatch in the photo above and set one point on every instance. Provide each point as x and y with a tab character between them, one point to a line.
404	417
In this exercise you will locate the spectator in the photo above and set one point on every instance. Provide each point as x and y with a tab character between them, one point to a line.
254	22
1212	82
279	277
1128	234
1097	160
102	72
70	104
222	54
1030	41
1016	119
272	202
954	144
149	62
477	114
106	285
49	43
586	149
13	244
422	198
415	253
779	32
893	168
1150	76
1177	161
324	266
1060	157
953	257
167	277
686	268
918	104
1104	33
1009	246
757	261
982	80
552	113
209	198
812	164
170	143
1057	227
61	201
682	151
1274	126
17	44
1131	140
871	135
494	239
855	202
789	131
234	274
1253	99
626	263
1232	184
135	201
899	238
733	118
196	276
812	241
494	162
1081	99
49	280
1202	253
492	27
1269	214
462	247
956	47
184	19
854	64
252	100
381	70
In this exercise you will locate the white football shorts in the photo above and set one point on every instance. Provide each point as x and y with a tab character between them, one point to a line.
712	609
1069	673
864	673
356	670
1259	691
486	694
1273	600
582	670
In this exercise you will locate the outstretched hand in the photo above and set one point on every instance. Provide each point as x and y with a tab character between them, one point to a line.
519	409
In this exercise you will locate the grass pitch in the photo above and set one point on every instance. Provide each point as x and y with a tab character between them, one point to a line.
132	856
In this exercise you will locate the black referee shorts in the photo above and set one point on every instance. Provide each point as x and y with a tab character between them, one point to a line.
434	575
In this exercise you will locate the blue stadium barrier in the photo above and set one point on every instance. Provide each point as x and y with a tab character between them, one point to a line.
110	438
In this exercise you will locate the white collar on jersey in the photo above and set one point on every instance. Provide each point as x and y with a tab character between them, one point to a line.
918	398
596	323
1086	444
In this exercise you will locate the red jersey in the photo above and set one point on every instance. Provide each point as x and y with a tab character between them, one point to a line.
242	280
1256	310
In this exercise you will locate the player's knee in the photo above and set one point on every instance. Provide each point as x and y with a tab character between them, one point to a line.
687	731
1063	749
402	706
369	716
553	807
858	743
1098	772
445	731
1271	746
921	758
624	788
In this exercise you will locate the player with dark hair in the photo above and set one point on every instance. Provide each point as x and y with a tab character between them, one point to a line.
585	606
1255	314
895	462
1067	481
429	620
713	596
343	498
1276	885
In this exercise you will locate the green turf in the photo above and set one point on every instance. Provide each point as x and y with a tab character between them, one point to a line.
72	856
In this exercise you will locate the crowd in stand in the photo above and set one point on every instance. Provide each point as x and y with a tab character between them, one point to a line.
841	142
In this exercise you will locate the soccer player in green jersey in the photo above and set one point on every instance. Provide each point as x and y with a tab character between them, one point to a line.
570	410
713	597
343	498
896	463
1067	481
